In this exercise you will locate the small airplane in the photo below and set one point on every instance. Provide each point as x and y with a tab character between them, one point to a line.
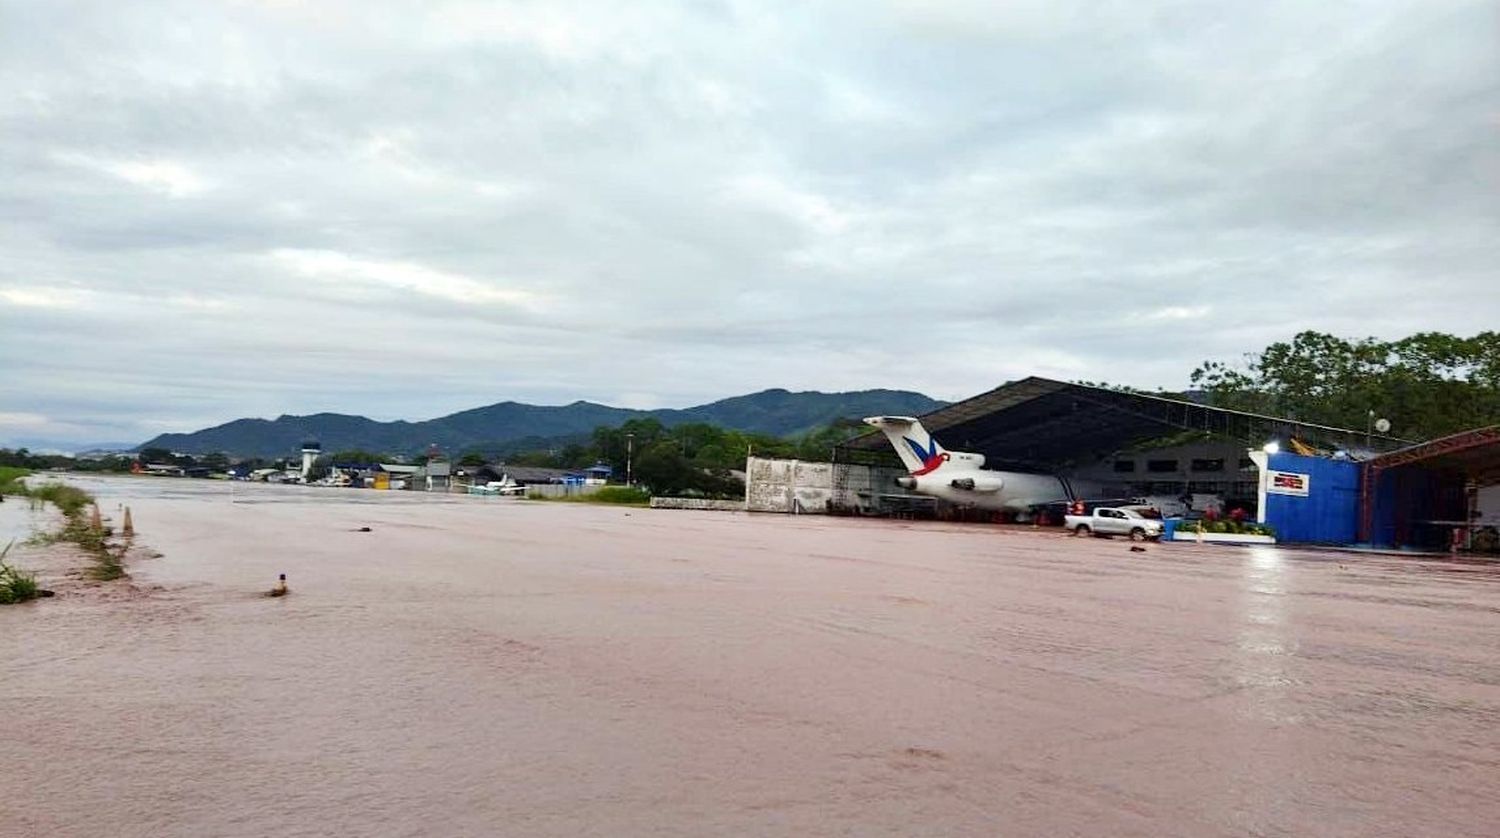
504	488
960	477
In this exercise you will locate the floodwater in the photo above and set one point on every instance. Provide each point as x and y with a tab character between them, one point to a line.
493	667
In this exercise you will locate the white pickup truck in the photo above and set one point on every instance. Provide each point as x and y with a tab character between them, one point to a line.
1112	521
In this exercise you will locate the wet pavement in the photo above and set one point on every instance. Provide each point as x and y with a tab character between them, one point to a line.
478	666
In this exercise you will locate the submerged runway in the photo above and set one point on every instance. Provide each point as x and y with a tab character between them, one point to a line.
494	667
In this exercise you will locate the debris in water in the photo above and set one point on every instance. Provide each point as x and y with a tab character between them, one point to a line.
361	529
1137	549
280	589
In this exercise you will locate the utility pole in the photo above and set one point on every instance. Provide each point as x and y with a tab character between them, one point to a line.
629	453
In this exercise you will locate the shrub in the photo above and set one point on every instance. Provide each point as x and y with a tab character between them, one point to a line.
16	585
620	494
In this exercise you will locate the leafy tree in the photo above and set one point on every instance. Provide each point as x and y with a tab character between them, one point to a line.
214	462
155	455
1427	385
472	458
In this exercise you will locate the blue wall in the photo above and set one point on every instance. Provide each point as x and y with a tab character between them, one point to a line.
1408	497
1330	512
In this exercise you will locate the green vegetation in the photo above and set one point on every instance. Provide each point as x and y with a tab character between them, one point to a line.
70	500
10	480
1230	526
1427	385
77	528
613	495
694	459
16	585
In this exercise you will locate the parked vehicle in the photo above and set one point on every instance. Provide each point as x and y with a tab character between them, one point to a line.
1107	521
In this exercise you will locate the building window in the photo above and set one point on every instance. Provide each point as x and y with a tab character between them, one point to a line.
1208	465
1123	466
1161	466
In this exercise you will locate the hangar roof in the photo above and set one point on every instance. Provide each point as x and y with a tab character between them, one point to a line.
1047	424
1476	453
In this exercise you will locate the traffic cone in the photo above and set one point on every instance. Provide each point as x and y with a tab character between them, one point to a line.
96	522
128	527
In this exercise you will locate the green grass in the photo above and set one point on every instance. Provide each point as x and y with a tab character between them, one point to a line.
16	585
74	504
611	495
72	501
10	480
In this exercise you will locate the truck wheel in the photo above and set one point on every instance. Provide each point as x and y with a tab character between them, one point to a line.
1081	529
1137	534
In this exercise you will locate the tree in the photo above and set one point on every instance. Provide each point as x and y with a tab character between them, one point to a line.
472	458
215	462
1428	385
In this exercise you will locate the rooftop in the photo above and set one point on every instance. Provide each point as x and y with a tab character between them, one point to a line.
1048	424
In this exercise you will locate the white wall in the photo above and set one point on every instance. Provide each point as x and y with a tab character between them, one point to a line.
1489	506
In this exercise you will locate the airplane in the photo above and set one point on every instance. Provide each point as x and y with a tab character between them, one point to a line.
960	477
504	488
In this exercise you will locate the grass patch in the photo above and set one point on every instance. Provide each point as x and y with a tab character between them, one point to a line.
10	480
16	585
611	495
74	504
72	501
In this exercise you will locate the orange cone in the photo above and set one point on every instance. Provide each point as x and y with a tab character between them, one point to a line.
127	528
96	522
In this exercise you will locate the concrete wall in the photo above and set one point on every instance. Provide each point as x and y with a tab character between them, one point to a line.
698	503
812	488
561	490
792	486
1234	481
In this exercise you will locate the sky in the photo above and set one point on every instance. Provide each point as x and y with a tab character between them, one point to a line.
211	210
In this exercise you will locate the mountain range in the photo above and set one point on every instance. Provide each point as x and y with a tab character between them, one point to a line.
507	425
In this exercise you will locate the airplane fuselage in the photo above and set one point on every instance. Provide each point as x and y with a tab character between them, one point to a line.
959	477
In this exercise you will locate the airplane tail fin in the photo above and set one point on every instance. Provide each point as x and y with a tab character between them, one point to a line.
917	449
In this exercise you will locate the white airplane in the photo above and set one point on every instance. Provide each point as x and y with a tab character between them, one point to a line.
961	478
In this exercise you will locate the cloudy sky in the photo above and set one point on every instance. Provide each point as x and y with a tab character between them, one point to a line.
213	210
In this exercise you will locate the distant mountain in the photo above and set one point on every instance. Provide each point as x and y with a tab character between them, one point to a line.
776	412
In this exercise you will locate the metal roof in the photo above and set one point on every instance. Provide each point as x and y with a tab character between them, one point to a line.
1047	424
1476	453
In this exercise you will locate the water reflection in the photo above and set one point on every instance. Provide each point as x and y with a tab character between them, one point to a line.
1263	647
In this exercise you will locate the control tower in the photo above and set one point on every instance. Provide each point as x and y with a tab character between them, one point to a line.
310	452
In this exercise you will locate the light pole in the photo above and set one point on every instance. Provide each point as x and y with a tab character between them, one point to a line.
629	450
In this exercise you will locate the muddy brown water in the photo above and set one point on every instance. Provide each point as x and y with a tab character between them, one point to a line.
493	667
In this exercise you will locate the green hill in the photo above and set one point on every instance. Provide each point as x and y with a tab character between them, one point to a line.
776	412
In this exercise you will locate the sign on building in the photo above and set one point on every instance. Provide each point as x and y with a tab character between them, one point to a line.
1287	483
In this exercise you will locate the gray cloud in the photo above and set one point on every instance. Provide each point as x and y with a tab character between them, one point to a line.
404	209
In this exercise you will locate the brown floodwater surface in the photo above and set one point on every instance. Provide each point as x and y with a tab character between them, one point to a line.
482	666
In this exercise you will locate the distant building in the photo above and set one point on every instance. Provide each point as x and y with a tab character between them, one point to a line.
520	475
439	474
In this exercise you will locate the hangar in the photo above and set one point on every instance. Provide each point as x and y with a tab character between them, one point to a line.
1430	494
1142	443
1333	485
1319	484
1047	425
